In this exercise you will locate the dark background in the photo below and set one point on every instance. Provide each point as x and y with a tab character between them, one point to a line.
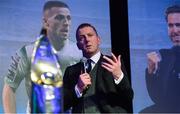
119	32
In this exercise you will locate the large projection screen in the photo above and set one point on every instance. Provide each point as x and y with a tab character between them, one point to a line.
21	22
147	32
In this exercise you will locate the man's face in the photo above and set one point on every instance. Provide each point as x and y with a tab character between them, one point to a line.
57	23
88	41
174	28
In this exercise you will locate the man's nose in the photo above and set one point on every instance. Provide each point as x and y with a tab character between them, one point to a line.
86	38
66	21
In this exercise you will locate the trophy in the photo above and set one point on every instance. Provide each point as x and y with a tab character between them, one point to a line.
46	79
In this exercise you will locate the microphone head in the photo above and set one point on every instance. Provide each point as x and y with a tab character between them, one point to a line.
83	62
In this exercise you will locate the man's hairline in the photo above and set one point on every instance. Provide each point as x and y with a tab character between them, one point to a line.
170	14
47	10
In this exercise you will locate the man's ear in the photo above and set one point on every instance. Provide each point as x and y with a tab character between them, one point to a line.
45	23
79	45
99	40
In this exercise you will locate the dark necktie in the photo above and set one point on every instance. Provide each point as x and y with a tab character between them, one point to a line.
89	67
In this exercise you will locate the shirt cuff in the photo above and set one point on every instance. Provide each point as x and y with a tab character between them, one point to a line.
117	81
78	93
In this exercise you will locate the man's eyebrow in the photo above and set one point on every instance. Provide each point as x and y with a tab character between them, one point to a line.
59	16
172	24
177	24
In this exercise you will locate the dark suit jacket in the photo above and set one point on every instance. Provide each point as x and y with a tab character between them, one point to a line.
110	97
161	85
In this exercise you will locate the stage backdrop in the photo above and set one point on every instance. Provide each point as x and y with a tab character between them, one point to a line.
21	21
147	32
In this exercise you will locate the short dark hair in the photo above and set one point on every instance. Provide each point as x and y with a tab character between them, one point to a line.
172	9
85	25
50	4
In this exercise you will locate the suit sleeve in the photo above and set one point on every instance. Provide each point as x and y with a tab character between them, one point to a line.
70	97
125	90
125	85
155	87
155	82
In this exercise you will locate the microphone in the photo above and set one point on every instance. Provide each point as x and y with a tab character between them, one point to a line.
83	67
83	61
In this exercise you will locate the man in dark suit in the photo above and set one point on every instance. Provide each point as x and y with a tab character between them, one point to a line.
105	88
163	71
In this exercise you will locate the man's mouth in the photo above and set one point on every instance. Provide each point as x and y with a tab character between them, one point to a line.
64	30
88	46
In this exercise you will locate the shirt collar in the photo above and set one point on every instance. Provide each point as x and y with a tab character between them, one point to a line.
95	58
